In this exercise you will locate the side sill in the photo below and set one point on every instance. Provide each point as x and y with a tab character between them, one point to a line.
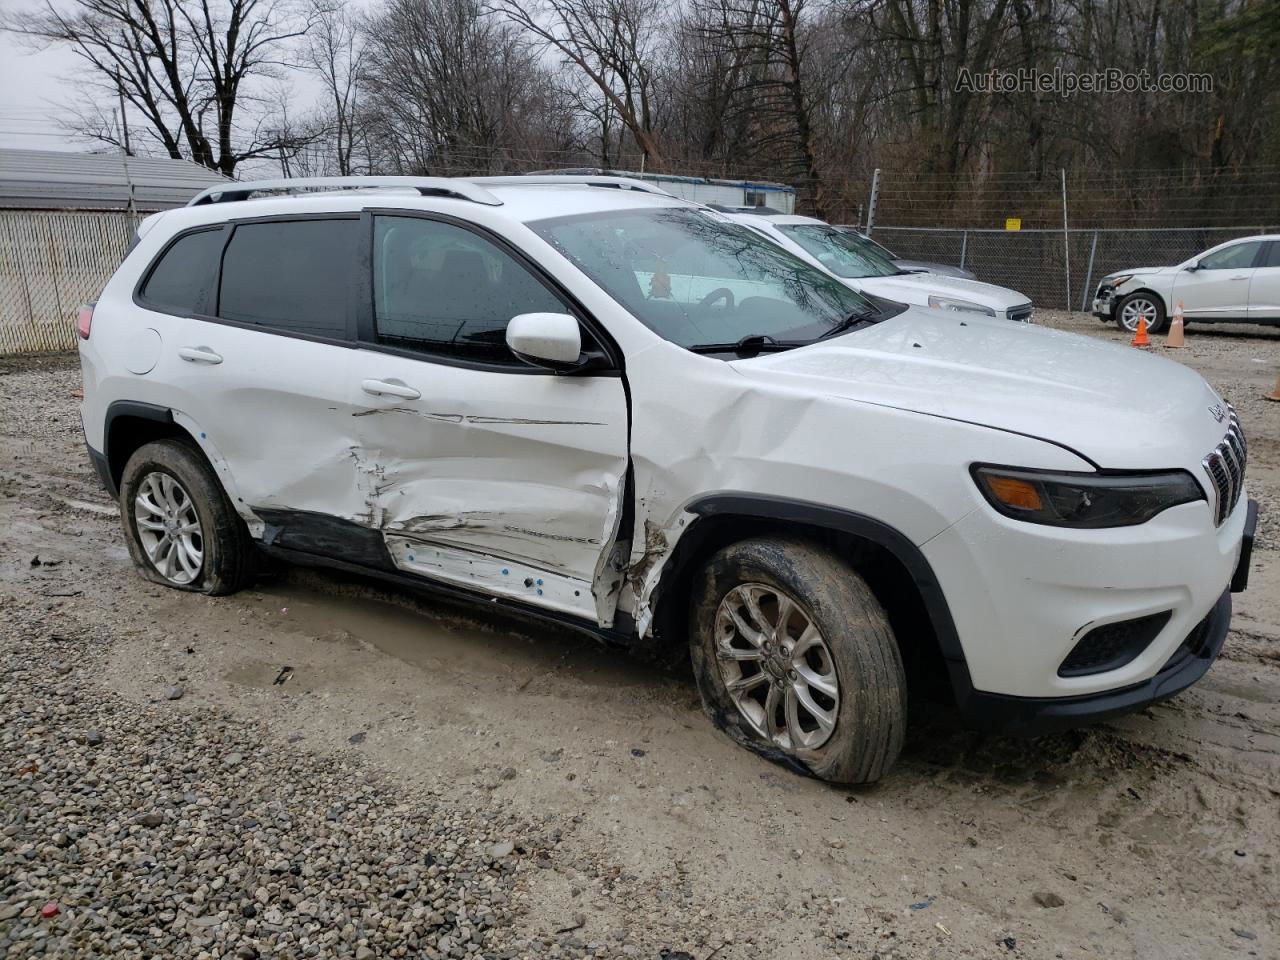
610	637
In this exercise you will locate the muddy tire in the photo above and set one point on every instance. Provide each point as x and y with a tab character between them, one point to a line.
823	691
181	529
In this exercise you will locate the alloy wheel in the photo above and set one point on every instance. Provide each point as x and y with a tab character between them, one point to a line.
168	528
776	666
1135	308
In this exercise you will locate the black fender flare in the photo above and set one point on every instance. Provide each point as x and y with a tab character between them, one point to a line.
119	409
787	510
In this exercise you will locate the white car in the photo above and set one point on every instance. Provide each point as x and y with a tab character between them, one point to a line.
1234	282
622	413
842	254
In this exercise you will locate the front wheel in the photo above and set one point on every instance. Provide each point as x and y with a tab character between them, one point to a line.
1141	304
794	658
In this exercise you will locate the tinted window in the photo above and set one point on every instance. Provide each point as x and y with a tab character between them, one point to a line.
441	289
1238	257
298	276
182	280
1273	255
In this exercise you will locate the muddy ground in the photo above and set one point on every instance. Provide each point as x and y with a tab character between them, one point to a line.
1153	836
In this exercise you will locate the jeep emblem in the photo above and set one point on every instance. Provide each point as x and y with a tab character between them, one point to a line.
1218	413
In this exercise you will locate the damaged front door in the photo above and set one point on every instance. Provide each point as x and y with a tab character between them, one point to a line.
479	469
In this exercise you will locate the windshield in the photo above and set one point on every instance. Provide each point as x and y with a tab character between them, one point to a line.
866	243
697	279
839	252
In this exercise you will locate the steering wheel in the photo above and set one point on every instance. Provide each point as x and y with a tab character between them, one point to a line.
720	293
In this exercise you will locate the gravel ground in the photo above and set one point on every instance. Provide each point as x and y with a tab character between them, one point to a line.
134	829
427	783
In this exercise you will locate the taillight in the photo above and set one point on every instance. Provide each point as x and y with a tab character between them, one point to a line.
84	320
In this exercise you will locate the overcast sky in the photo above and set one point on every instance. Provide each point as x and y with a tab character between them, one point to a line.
34	86
30	90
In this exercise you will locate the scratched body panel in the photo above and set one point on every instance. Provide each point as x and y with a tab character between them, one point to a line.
726	430
526	468
285	429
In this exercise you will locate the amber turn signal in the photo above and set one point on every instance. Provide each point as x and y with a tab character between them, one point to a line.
1013	492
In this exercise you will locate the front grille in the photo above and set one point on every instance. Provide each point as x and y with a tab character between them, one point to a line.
1112	645
1225	465
1020	313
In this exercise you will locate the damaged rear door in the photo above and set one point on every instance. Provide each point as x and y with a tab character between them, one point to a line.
479	469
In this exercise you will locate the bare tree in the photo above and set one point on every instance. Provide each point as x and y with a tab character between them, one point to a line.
762	81
454	89
334	50
189	67
614	43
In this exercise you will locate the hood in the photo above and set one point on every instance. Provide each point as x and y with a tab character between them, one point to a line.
1117	406
941	269
1135	272
918	287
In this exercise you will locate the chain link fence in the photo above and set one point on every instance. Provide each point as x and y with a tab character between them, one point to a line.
50	263
1034	262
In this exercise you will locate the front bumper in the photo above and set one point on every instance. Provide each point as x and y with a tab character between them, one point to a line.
1024	596
1033	716
1104	304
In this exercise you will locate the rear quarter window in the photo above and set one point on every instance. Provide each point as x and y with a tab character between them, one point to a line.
182	279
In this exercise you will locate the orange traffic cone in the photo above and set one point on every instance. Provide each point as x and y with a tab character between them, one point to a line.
1274	394
1177	330
1140	338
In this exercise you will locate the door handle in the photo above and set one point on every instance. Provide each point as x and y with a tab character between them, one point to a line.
389	388
1243	276
199	355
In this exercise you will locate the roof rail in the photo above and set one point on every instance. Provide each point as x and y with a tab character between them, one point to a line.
600	180
426	186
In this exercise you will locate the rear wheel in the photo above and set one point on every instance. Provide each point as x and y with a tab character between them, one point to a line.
1141	304
794	658
181	529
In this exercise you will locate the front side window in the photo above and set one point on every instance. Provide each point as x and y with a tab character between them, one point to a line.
441	289
182	280
840	253
699	280
1239	257
296	276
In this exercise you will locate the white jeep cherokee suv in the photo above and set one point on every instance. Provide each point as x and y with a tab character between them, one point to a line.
624	413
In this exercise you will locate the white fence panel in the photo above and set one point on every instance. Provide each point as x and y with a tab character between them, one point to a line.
50	263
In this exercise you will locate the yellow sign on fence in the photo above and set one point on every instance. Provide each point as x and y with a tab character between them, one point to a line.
1013	223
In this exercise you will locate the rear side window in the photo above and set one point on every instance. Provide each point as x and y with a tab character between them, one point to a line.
182	280
1273	255
295	276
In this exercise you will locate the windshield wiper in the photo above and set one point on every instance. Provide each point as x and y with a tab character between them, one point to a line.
853	320
752	344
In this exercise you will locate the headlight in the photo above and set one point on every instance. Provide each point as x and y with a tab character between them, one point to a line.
1120	281
1087	500
963	306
